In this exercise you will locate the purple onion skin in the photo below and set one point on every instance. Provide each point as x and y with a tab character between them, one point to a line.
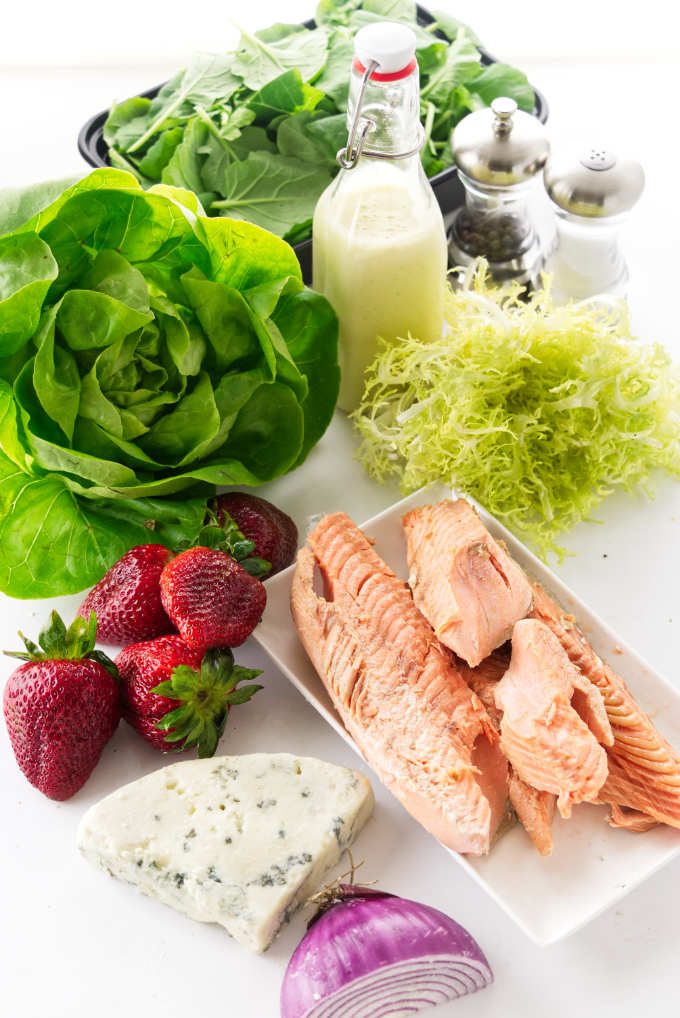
359	934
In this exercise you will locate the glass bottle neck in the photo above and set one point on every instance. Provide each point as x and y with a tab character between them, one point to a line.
393	110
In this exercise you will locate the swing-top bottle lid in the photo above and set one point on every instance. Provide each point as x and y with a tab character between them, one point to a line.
391	45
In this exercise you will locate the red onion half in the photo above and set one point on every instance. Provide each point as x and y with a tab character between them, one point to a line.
373	955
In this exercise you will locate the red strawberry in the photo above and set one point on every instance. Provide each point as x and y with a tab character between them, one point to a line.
176	697
127	599
211	599
273	532
62	707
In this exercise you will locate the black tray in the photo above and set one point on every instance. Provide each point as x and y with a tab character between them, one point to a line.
446	185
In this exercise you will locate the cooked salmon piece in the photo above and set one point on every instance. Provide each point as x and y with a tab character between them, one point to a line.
465	584
535	809
549	745
631	819
644	769
397	690
484	677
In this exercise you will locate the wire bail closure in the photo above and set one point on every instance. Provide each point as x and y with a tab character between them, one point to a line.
349	156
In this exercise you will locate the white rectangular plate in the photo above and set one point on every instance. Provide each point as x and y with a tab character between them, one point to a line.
592	865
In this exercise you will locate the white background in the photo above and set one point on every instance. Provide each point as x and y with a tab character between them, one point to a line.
73	943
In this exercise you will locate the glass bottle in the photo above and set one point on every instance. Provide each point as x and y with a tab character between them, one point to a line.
379	244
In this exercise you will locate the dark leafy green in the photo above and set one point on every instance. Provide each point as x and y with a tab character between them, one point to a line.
147	354
228	126
273	191
267	54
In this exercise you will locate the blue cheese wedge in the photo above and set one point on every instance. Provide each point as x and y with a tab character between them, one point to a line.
237	840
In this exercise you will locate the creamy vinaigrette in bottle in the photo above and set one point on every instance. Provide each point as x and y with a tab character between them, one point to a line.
379	244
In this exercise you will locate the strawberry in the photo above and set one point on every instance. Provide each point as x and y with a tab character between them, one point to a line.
211	599
127	599
272	531
176	697
61	707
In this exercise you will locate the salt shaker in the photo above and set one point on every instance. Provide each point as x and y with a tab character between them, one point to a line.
500	153
591	196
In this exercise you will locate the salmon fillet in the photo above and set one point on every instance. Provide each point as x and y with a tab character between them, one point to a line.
631	819
465	584
397	690
548	743
644	770
535	809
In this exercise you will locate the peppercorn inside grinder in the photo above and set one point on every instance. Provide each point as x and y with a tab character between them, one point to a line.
499	153
591	195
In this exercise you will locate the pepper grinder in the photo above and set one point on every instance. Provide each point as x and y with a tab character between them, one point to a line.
591	197
499	153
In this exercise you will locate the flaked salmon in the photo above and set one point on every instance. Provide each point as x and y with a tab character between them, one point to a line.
549	743
630	819
644	770
397	690
535	809
463	581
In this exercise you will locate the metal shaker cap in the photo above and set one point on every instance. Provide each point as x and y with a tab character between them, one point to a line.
500	146
595	184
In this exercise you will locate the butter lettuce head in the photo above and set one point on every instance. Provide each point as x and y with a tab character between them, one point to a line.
147	354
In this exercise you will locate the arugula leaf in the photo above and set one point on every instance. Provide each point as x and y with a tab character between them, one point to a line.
500	79
460	65
287	93
312	138
208	77
335	12
361	18
451	26
220	153
159	154
334	78
299	233
232	121
184	168
281	72
279	30
126	122
395	10
259	61
273	191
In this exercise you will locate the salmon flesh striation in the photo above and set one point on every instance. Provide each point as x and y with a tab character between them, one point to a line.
463	581
398	691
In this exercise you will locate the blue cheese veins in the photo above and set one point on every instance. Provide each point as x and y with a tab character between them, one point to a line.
239	841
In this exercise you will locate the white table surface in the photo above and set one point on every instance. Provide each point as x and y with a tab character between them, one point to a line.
75	943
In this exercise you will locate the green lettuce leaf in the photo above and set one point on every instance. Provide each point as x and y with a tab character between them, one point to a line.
147	354
52	542
264	56
275	192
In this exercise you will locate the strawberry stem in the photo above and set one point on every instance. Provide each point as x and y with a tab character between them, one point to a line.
61	644
205	700
227	537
